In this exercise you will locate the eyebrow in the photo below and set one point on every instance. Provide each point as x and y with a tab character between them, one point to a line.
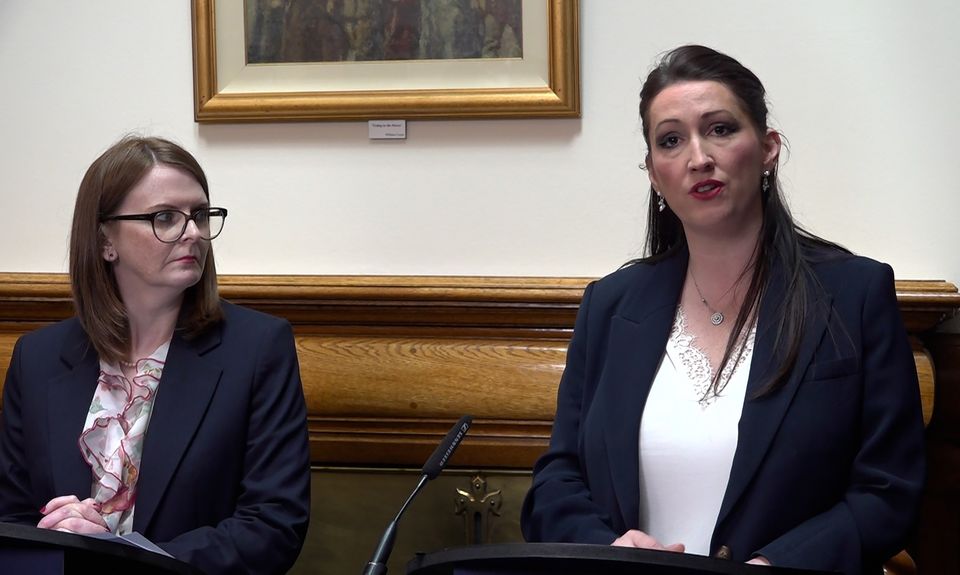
717	113
705	116
194	207
666	121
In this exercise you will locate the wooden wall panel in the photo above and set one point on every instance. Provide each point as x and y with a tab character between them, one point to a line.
430	377
389	362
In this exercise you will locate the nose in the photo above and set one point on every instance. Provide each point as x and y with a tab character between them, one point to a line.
191	232
700	158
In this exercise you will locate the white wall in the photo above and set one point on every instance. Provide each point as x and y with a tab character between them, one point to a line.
865	90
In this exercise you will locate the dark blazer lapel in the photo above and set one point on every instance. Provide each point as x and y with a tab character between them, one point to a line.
68	401
638	337
761	417
186	388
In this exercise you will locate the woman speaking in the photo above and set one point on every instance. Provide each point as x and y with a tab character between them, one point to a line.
747	390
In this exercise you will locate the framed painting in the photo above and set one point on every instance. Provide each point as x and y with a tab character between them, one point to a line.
302	60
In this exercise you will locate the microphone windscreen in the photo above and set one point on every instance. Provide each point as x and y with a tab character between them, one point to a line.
444	451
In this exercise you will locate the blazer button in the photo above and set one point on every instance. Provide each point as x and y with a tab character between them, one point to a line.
723	553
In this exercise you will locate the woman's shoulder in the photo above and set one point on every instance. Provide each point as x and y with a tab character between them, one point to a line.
637	287
840	265
242	323
61	331
625	277
853	279
637	271
64	339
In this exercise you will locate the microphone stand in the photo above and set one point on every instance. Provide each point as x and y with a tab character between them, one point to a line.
378	562
431	469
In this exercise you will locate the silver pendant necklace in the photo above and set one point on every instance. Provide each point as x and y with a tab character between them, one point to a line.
716	316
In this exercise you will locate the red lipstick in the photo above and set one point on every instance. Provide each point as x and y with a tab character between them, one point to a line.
706	189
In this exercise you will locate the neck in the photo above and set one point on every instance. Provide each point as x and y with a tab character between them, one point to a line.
718	263
151	325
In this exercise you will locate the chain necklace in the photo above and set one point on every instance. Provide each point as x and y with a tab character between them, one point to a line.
716	316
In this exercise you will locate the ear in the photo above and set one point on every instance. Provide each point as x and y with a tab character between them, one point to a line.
771	145
107	252
651	172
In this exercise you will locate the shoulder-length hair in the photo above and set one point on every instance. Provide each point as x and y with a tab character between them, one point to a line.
782	242
96	297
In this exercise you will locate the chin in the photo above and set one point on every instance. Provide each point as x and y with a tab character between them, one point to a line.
186	281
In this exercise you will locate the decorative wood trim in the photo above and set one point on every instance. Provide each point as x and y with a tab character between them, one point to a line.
389	362
925	303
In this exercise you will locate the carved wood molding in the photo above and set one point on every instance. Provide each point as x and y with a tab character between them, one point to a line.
389	362
41	296
925	303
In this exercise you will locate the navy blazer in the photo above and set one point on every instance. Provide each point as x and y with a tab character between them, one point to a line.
828	470
225	475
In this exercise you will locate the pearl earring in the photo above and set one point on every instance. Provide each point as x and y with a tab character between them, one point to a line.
765	183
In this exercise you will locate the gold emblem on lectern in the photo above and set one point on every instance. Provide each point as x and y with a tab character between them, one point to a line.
476	506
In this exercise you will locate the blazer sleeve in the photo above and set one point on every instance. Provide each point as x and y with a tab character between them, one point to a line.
267	529
559	507
874	517
17	505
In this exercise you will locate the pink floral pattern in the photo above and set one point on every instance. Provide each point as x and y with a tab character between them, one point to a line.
112	438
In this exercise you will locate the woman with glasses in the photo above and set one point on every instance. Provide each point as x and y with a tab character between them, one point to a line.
159	408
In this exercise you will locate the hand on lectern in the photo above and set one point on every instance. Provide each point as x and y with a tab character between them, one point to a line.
761	560
67	513
639	539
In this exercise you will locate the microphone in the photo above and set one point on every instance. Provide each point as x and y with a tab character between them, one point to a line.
431	469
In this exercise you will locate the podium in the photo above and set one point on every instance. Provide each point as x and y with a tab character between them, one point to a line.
26	549
578	559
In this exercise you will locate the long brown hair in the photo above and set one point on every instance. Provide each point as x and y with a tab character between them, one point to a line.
781	242
96	297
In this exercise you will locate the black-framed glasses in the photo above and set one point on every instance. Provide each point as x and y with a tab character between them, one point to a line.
170	225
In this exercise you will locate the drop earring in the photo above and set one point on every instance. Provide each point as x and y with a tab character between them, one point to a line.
661	205
765	182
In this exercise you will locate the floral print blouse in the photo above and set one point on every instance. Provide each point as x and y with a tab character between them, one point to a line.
112	438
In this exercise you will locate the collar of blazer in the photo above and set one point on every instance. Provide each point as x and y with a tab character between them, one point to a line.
186	388
638	336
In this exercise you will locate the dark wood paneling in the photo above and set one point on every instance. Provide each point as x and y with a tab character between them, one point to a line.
937	548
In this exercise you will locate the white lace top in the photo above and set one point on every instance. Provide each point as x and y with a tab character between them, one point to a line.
688	437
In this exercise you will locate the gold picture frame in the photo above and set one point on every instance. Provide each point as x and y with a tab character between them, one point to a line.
243	93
